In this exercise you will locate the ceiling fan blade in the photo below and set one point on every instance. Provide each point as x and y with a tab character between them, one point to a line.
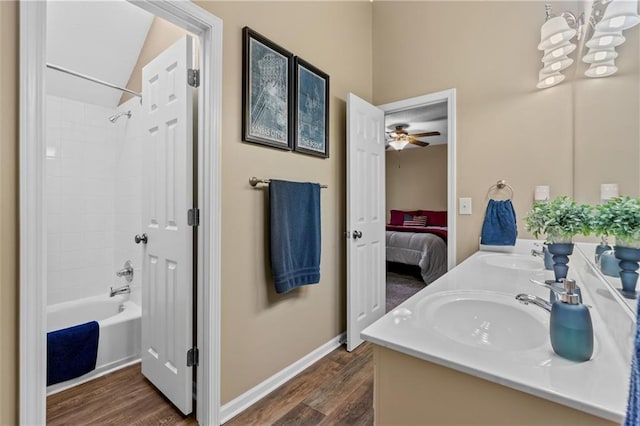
419	143
425	134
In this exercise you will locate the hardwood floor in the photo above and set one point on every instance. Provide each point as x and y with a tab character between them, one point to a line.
337	390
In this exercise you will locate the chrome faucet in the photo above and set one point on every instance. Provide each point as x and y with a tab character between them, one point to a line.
126	272
537	251
538	301
125	289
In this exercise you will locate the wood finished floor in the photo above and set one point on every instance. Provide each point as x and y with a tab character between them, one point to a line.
337	390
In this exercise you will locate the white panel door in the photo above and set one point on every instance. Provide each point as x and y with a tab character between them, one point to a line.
167	270
365	217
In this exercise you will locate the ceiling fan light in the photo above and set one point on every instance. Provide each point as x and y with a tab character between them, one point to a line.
601	69
620	15
546	80
600	55
554	32
602	40
557	65
553	54
399	144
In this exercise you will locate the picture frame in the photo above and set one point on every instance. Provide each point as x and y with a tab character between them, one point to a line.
267	92
311	109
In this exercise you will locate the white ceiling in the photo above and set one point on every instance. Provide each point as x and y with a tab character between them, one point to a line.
426	118
101	39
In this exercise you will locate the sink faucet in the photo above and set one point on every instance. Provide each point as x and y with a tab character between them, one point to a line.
537	251
125	289
527	298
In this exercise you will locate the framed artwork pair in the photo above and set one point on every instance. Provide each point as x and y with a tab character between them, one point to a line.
285	100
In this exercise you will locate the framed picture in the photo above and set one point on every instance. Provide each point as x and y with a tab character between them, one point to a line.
267	92
311	110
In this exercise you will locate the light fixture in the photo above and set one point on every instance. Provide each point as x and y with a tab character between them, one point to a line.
601	69
399	144
620	15
600	55
603	31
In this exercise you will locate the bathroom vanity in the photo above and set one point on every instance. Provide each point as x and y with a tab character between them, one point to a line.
465	351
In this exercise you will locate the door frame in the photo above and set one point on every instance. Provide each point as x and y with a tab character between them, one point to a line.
448	95
33	285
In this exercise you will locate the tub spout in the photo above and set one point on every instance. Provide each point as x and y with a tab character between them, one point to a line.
125	289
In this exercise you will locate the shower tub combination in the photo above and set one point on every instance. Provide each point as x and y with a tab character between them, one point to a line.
119	342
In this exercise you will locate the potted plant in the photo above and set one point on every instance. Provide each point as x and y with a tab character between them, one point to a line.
559	220
620	217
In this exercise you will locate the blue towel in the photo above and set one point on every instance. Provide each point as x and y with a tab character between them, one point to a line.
633	404
72	352
295	234
499	227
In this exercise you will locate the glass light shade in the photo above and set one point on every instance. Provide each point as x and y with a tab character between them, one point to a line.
602	40
398	145
619	15
601	69
555	32
600	55
557	65
547	80
554	54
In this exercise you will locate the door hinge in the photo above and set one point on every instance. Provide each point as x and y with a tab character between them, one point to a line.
192	357
193	77
193	217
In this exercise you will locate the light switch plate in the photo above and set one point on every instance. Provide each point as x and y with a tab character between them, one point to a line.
464	205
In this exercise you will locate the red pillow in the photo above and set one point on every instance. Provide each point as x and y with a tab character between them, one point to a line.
436	218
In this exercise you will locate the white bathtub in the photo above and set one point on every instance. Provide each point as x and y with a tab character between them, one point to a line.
119	341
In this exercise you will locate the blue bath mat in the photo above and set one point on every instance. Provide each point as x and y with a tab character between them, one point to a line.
72	352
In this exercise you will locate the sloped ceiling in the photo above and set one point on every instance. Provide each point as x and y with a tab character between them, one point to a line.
101	39
427	118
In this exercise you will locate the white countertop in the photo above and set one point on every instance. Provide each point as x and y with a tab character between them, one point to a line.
598	386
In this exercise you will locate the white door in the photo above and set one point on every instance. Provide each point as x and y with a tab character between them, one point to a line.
365	217
167	270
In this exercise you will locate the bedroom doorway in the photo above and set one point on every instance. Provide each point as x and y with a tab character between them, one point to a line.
366	216
416	148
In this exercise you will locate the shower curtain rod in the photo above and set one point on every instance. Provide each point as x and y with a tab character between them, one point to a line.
95	80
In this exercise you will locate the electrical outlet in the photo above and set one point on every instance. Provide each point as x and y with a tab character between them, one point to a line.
464	205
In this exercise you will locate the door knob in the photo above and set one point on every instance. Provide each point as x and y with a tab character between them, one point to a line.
357	234
141	239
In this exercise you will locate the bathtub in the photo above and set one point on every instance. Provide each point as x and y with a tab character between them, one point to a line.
119	342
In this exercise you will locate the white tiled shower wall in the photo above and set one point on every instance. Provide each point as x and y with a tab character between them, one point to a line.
88	199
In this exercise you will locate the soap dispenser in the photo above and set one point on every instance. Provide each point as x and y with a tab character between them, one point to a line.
571	328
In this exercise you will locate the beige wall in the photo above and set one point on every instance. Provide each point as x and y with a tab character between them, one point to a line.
506	128
417	179
161	35
264	332
9	213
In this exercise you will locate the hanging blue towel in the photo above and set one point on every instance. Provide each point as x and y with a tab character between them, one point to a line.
295	234
633	404
72	352
499	227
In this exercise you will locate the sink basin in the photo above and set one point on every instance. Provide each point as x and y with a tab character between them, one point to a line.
514	261
486	320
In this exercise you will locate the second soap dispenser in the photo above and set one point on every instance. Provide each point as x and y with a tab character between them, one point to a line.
571	328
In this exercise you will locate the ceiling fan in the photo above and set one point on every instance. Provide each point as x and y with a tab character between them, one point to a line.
399	138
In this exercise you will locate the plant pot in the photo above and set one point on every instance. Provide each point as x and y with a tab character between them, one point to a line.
629	258
561	253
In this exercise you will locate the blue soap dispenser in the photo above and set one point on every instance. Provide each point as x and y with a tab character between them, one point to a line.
570	326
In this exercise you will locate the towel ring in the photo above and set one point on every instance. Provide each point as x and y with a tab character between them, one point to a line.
501	184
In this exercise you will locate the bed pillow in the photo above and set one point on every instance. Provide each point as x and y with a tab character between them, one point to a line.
436	218
416	221
398	216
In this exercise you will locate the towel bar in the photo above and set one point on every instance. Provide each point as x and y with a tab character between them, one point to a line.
254	181
501	184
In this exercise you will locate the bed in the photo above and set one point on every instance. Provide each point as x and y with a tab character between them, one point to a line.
412	243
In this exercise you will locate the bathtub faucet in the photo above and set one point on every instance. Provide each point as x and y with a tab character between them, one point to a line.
125	289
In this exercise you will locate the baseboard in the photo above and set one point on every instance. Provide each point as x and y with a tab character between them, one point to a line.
253	395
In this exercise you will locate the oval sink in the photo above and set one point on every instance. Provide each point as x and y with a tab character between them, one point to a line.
514	261
484	320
